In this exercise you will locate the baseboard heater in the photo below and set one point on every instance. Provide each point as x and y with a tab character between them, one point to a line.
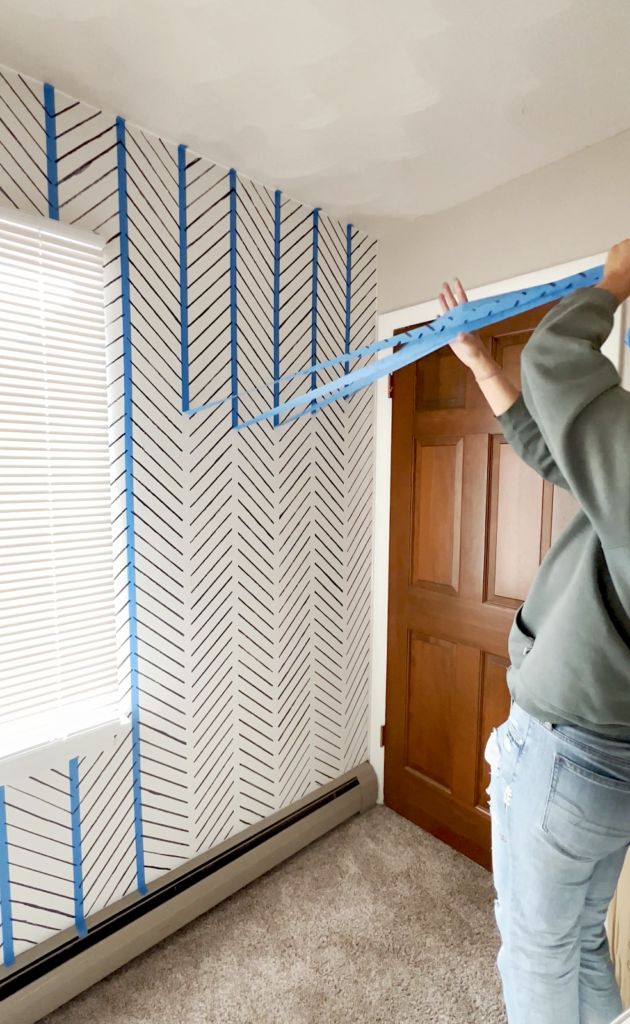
59	969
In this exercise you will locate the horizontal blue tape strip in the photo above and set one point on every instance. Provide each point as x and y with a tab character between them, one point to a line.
470	317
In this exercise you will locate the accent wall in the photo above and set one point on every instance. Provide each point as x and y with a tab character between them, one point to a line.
242	559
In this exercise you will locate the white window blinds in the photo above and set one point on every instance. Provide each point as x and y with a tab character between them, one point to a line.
58	670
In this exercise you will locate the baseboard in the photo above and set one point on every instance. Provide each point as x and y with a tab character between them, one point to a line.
60	969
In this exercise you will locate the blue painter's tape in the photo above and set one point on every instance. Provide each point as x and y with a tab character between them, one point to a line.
129	500
315	262
183	276
470	316
233	299
8	952
346	365
321	405
357	353
342	387
276	302
51	151
77	856
628	337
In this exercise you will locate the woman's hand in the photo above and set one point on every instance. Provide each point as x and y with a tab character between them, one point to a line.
616	277
467	347
499	392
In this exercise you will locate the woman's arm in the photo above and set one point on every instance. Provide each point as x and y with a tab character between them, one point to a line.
574	394
502	396
498	391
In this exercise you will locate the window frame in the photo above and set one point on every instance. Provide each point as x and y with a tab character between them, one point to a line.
107	735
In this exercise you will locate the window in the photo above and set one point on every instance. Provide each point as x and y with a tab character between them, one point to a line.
58	673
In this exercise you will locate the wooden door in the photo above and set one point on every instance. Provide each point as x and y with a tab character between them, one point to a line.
470	524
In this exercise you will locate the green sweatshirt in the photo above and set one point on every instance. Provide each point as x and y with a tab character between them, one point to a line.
570	642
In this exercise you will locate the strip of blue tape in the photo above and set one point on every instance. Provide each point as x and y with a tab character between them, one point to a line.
357	353
233	299
129	500
470	316
276	301
51	151
315	262
8	951
355	385
346	365
77	856
183	276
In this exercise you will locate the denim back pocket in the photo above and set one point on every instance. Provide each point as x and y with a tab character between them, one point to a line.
587	813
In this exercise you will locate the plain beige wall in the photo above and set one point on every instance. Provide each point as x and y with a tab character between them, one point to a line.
570	209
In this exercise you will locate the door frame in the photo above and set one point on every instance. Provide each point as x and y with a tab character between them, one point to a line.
387	324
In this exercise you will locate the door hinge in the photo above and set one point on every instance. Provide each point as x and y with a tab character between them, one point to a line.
390	386
382	735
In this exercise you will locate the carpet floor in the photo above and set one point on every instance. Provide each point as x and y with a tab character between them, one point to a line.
375	922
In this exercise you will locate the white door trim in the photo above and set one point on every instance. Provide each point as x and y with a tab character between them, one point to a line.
387	324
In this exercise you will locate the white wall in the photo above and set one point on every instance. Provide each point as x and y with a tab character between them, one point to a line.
575	207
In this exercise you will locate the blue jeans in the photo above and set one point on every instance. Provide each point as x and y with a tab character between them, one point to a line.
560	808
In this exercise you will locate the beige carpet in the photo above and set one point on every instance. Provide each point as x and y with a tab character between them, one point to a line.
377	921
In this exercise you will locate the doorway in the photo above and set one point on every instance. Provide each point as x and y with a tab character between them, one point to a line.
469	526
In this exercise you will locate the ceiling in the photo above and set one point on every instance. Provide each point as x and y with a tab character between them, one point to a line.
372	109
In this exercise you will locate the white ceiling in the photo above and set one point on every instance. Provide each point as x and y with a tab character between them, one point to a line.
371	109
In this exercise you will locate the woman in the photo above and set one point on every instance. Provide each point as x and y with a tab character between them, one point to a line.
560	786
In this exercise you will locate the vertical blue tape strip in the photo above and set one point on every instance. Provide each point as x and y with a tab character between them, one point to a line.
314	303
51	152
276	303
8	953
77	856
129	502
183	276
233	310
346	366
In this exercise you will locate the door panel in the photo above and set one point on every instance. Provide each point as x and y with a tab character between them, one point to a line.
470	524
441	382
431	687
437	513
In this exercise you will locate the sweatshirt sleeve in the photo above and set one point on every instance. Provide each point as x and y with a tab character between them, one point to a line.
574	395
524	437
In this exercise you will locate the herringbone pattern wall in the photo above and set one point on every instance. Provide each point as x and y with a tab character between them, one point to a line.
242	558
